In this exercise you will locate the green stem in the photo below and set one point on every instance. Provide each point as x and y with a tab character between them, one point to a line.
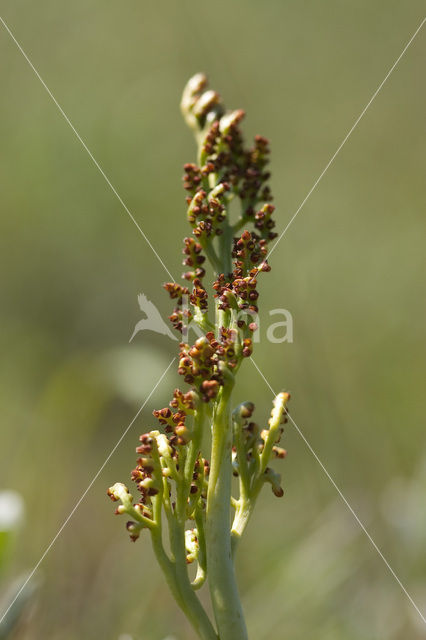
242	461
176	573
202	562
239	224
211	255
242	516
194	447
245	508
193	607
223	587
167	566
202	320
225	248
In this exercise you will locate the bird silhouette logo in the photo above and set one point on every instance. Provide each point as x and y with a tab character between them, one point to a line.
153	320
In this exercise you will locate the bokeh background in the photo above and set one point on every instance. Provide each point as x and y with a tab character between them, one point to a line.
351	270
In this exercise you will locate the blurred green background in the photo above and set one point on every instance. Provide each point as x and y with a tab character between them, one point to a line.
351	270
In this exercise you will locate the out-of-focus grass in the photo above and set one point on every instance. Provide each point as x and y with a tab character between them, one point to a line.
350	269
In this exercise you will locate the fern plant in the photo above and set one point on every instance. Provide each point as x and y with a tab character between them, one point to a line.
184	471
